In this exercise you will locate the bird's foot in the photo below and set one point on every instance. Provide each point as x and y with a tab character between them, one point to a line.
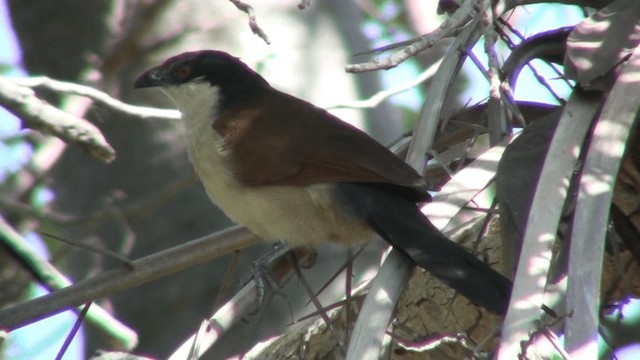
262	269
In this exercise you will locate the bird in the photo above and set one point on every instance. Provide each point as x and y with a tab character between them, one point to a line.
290	171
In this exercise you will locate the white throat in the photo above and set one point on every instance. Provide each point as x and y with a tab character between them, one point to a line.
198	102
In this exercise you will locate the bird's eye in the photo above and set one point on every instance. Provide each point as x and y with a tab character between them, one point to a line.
182	71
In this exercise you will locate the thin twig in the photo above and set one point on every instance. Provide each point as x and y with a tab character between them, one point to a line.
244	302
553	339
517	33
253	23
228	278
524	52
197	340
92	248
316	303
498	129
459	19
74	331
348	291
340	303
380	96
351	257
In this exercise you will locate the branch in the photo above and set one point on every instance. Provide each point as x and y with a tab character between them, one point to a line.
142	271
253	23
243	303
459	19
100	97
38	114
498	128
379	97
52	279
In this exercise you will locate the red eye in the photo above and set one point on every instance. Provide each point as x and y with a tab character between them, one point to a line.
182	71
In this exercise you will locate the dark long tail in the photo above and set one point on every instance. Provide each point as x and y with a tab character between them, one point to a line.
399	222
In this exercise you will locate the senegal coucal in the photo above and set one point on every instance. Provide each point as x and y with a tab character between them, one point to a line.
288	170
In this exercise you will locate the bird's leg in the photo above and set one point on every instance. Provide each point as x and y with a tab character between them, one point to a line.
261	271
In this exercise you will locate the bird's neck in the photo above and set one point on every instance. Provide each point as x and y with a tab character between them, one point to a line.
199	104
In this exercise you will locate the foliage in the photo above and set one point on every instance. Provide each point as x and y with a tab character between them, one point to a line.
563	175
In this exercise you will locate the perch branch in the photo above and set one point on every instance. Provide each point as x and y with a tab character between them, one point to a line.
124	277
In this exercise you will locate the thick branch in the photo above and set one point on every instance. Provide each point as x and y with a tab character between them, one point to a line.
37	114
142	270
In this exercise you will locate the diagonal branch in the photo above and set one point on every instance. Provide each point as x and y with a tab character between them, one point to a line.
38	114
124	277
52	279
98	96
459	19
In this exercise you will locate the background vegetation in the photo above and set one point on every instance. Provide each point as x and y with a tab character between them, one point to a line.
555	207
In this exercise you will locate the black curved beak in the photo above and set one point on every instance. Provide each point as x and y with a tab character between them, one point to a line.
150	78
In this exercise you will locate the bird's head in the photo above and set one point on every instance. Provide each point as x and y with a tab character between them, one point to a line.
201	72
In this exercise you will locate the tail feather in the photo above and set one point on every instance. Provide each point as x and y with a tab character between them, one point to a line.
400	223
